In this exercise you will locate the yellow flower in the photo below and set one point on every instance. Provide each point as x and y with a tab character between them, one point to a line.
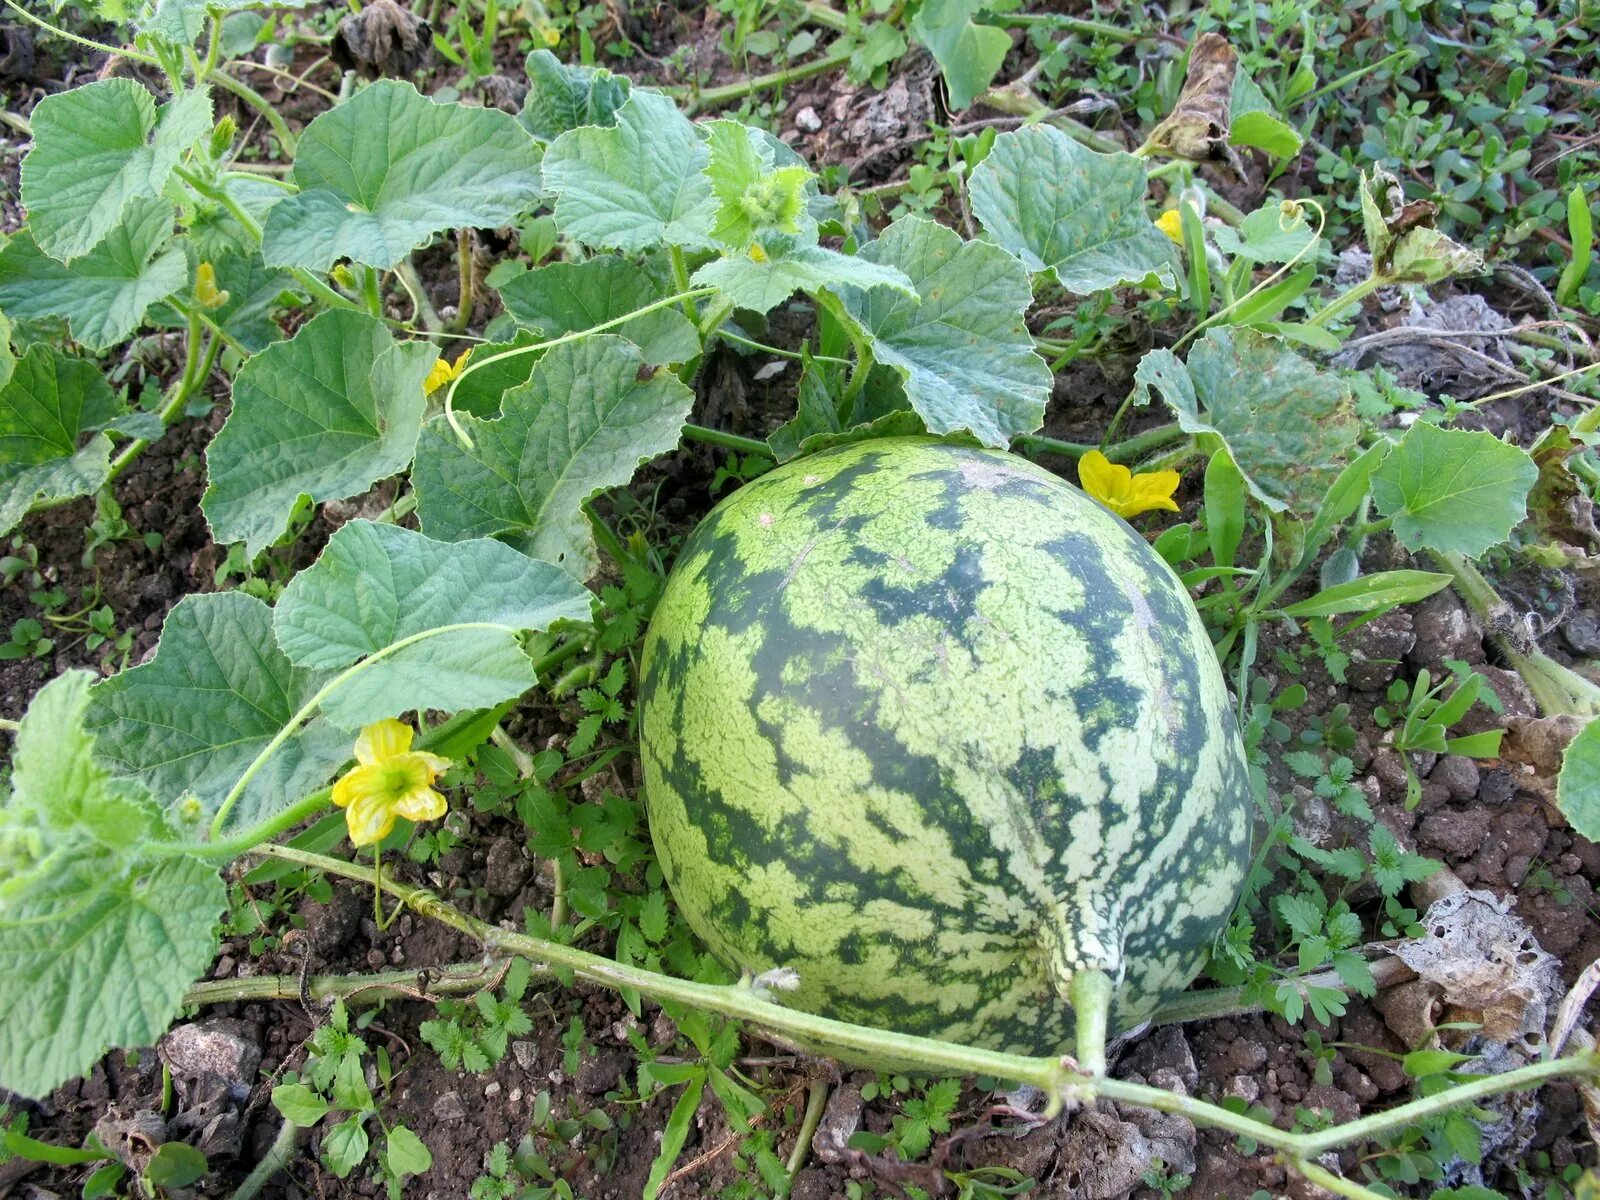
757	252
392	780
1123	492
443	372
206	290
1171	224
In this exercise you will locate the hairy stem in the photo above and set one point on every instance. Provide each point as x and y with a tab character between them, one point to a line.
416	984
1054	1076
836	57
274	1160
816	1102
465	295
1089	993
1345	299
253	98
728	441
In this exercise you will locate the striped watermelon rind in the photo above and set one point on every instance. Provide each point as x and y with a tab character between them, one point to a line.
933	728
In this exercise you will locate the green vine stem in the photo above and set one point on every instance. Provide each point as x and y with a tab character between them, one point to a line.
254	99
274	1160
816	1102
196	369
1345	299
1089	993
416	984
1557	689
859	342
749	1002
728	441
466	296
708	97
116	51
477	364
1127	450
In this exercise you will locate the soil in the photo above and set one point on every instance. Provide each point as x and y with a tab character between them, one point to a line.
1492	824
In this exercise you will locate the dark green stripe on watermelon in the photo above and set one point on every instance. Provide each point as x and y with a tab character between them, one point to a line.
933	728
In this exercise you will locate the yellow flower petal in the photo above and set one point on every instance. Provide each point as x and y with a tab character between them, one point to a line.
421	804
369	820
1103	479
206	290
1171	224
383	740
440	375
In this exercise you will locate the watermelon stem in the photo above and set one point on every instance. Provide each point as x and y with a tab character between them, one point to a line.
1089	993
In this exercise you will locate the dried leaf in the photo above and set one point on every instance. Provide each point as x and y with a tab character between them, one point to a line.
383	39
1197	127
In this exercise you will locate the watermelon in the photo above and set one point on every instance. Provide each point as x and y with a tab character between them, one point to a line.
933	728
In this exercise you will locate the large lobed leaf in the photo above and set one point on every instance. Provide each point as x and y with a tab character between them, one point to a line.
1063	208
102	294
966	358
1453	490
1288	425
376	586
46	407
383	172
324	415
561	97
563	297
95	150
98	953
636	184
217	691
590	413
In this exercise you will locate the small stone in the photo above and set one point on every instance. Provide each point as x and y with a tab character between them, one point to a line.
1460	834
491	1090
1445	629
506	867
1246	1055
599	1074
514	1095
806	119
449	1107
1377	649
222	1046
1581	631
1244	1087
1458	775
525	1053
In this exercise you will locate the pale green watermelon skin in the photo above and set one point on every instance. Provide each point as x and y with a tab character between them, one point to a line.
932	727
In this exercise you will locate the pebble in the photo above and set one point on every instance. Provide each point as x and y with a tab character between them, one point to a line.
808	120
223	1046
449	1107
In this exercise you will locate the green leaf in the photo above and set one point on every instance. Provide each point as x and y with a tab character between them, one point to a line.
789	266
405	1153
103	295
1432	1062
1287	424
1383	590
180	22
966	358
1063	208
1253	123
32	1149
93	917
561	98
1578	786
565	298
969	55
324	415
386	170
376	585
216	692
755	197
1273	234
345	1145
46	407
253	291
1453	490
675	1134
298	1104
634	185
590	413
97	148
175	1165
